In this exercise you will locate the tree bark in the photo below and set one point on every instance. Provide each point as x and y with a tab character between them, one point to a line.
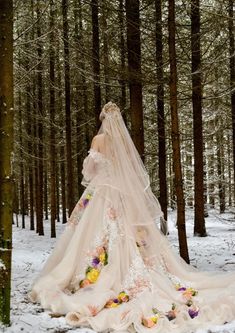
70	182
40	111
52	121
96	59
199	220
175	136
135	76
6	151
160	111
122	77
22	187
232	80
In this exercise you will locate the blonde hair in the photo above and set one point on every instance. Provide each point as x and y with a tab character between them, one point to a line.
108	109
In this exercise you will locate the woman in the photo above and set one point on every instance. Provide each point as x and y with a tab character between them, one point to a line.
112	268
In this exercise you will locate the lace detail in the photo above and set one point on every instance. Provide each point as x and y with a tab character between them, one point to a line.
138	278
97	156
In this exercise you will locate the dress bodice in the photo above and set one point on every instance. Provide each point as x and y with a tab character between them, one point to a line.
96	168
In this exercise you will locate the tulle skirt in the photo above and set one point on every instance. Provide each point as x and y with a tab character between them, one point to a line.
109	272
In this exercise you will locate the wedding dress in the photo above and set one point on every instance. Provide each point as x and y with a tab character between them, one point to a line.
112	268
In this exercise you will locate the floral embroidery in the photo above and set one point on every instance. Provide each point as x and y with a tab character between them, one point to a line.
193	311
187	292
93	310
79	208
98	260
114	302
151	321
172	313
112	213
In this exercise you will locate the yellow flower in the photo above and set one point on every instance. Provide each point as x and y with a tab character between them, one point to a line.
92	275
154	319
88	196
111	304
102	257
123	297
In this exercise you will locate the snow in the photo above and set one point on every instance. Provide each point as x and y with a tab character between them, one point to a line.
215	252
2	266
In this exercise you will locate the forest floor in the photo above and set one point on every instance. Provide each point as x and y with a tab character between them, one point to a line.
215	252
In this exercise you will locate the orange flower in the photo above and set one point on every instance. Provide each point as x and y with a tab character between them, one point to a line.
84	283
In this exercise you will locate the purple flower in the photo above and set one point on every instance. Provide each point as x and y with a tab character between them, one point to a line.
95	262
193	312
182	289
115	300
85	202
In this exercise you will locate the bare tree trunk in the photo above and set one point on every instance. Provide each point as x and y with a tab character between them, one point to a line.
105	51
135	77
160	110
45	185
30	152
70	182
96	59
175	136
80	117
6	151
220	168
52	122
232	79
199	220
40	111
122	78
22	188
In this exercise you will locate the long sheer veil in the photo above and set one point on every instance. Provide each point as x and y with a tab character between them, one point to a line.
129	175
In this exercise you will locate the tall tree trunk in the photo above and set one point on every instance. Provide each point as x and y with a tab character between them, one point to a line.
30	151
70	182
220	165
22	188
96	59
104	16
135	77
80	130
61	153
160	110
6	151
52	121
199	220
175	136
122	77
40	111
45	185
232	80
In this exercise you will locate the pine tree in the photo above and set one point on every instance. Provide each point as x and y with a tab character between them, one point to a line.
6	151
175	136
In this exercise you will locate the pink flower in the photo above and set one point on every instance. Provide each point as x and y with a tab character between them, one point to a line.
93	309
147	322
100	250
112	214
84	283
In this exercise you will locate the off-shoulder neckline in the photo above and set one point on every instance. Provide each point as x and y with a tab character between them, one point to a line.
92	150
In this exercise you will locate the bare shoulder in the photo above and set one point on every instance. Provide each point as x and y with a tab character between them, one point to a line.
97	141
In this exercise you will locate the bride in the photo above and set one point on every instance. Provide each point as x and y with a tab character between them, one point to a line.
112	268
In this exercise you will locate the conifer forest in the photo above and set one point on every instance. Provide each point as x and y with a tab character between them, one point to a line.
170	67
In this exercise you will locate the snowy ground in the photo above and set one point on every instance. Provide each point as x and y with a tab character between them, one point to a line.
215	252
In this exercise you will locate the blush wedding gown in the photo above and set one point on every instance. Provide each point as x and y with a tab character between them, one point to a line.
112	268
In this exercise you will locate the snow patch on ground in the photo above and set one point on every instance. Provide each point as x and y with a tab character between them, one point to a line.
215	252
